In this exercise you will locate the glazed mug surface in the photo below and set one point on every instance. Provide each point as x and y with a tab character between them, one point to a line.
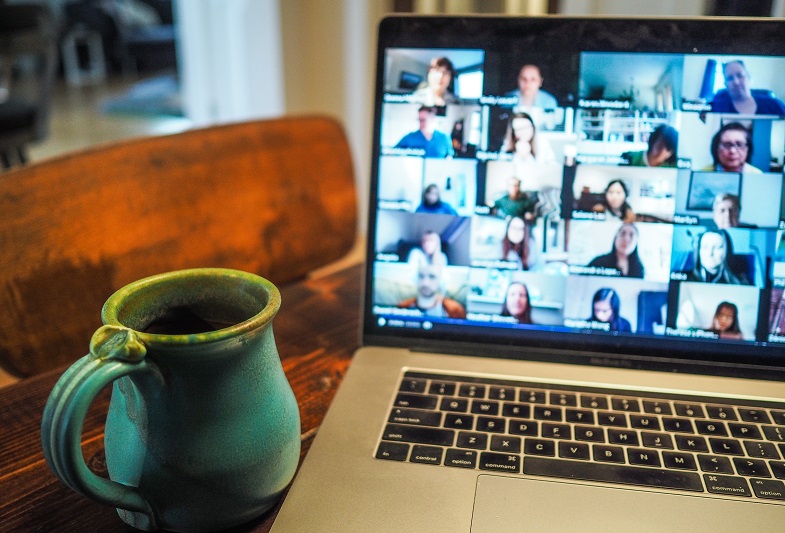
203	429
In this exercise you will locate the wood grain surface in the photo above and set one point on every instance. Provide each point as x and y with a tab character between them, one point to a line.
316	331
274	197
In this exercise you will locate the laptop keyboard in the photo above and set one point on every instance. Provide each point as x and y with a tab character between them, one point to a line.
684	443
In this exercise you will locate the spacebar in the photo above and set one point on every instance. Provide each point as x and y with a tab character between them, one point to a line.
610	473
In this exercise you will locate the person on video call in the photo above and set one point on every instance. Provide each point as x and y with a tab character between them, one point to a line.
437	89
614	202
624	253
726	210
432	202
515	203
434	142
516	303
661	151
605	308
715	261
430	297
517	244
726	321
731	150
430	251
520	140
738	96
529	91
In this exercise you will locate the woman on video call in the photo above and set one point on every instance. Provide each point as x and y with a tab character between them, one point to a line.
605	308
731	150
516	303
715	261
624	253
437	89
516	244
661	152
726	321
614	202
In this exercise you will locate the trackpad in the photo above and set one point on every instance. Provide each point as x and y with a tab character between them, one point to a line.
503	504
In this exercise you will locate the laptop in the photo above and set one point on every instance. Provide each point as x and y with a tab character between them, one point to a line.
573	315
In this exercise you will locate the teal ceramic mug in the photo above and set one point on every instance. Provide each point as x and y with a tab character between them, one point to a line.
203	430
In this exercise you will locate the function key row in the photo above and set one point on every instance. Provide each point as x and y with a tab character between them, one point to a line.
590	401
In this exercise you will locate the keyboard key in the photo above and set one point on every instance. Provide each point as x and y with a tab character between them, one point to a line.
516	410
502	393
430	455
769	489
721	412
392	451
474	441
691	444
539	447
627	437
531	396
643	457
556	431
657	440
761	450
574	450
758	416
657	407
751	467
417	417
778	469
563	399
677	425
707	427
500	462
779	417
442	387
456	421
608	454
735	486
715	464
579	416
553	414
689	409
744	431
628	405
612	419
594	402
472	391
613	473
589	433
485	407
528	429
419	434
454	405
678	460
491	424
644	422
413	385
726	446
505	443
460	458
416	401
774	433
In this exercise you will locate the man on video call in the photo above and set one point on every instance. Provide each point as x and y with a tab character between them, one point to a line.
529	91
434	142
430	297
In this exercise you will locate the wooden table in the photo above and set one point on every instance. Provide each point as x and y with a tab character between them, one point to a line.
316	330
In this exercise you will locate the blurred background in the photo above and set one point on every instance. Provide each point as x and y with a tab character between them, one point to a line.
127	68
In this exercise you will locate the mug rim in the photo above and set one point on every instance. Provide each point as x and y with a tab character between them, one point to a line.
111	308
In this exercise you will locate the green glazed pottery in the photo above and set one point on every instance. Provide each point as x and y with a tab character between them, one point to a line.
203	430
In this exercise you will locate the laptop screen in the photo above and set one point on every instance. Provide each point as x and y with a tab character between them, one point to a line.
609	185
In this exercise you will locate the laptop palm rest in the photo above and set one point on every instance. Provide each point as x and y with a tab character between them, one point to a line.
505	504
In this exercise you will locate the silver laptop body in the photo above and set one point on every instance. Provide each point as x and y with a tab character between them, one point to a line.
570	217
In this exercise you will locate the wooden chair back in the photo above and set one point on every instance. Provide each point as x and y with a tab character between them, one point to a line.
274	197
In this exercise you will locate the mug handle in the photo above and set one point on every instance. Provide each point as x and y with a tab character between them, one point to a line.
114	352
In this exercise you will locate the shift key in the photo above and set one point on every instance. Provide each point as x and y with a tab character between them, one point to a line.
419	435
